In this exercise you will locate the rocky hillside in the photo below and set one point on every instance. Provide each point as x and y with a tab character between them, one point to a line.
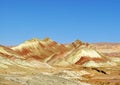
53	53
47	51
45	62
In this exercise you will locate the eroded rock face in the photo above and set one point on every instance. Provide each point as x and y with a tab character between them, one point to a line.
46	62
53	53
47	51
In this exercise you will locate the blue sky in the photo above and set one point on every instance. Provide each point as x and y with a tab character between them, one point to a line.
62	20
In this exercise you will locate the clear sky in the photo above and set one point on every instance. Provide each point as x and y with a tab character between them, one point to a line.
62	20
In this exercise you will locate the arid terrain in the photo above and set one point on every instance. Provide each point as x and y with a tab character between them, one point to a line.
46	62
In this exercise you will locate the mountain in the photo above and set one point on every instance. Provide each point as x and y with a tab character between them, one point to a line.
44	61
36	49
49	52
9	58
53	53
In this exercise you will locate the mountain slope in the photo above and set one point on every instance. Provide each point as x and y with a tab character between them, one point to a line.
53	53
9	57
36	61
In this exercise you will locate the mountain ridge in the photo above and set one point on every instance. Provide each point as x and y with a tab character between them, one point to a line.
52	53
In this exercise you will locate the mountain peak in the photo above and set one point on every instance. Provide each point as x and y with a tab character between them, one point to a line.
33	40
47	39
